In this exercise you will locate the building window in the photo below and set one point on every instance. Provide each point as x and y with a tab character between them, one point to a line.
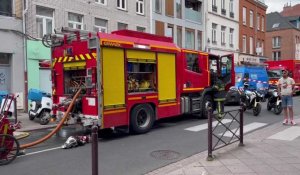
223	7
223	30
251	18
199	40
258	48
140	8
258	20
262	23
192	62
122	26
262	47
100	25
4	58
214	33
122	4
169	31
231	9
44	21
179	9
6	7
276	42
276	56
190	39
75	21
244	15
140	29
214	6
231	37
244	44
158	6
102	2
179	36
251	45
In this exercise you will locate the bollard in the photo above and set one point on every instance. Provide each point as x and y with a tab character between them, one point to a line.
15	110
241	126
94	150
209	135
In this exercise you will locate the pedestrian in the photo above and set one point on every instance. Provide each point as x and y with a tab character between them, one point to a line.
286	89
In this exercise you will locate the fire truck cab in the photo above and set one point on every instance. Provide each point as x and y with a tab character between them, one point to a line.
132	78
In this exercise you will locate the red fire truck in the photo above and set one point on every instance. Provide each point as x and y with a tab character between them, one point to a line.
275	71
132	78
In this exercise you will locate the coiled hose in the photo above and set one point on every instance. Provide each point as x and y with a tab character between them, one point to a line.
57	127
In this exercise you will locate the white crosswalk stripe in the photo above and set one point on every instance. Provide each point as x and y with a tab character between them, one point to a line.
288	134
247	128
205	126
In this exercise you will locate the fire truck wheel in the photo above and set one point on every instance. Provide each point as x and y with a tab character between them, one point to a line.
141	118
207	101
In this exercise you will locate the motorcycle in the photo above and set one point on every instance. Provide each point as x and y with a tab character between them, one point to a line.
274	102
250	99
40	106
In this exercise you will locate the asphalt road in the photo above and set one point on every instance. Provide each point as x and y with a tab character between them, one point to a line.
125	154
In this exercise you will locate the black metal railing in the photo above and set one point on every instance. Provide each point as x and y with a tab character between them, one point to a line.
216	134
223	11
214	8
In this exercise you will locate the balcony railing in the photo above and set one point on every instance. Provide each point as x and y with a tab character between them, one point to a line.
223	11
231	14
214	8
193	15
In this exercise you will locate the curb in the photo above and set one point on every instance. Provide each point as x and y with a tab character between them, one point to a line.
36	128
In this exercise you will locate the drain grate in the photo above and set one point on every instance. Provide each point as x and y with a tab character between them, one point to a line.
165	154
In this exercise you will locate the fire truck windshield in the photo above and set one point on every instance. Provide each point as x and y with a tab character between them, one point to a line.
276	73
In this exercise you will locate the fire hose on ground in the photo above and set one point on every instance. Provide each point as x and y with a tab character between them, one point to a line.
60	124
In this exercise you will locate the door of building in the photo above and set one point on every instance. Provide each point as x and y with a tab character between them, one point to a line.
5	78
45	80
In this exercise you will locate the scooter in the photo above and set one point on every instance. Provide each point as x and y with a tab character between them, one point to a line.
250	99
40	106
274	102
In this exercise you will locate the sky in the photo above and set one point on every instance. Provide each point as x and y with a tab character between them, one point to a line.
277	5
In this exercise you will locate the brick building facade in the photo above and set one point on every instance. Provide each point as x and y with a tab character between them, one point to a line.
289	10
283	38
252	31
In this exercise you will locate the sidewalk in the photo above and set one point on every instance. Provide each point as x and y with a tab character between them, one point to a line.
261	155
28	125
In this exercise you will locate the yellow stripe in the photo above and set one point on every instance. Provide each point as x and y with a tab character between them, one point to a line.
88	56
94	55
190	51
65	59
163	47
70	59
59	59
151	97
116	41
201	53
54	61
192	89
82	57
135	98
76	58
169	104
114	111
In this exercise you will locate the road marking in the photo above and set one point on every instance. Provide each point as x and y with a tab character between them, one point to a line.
247	128
37	152
288	134
205	126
